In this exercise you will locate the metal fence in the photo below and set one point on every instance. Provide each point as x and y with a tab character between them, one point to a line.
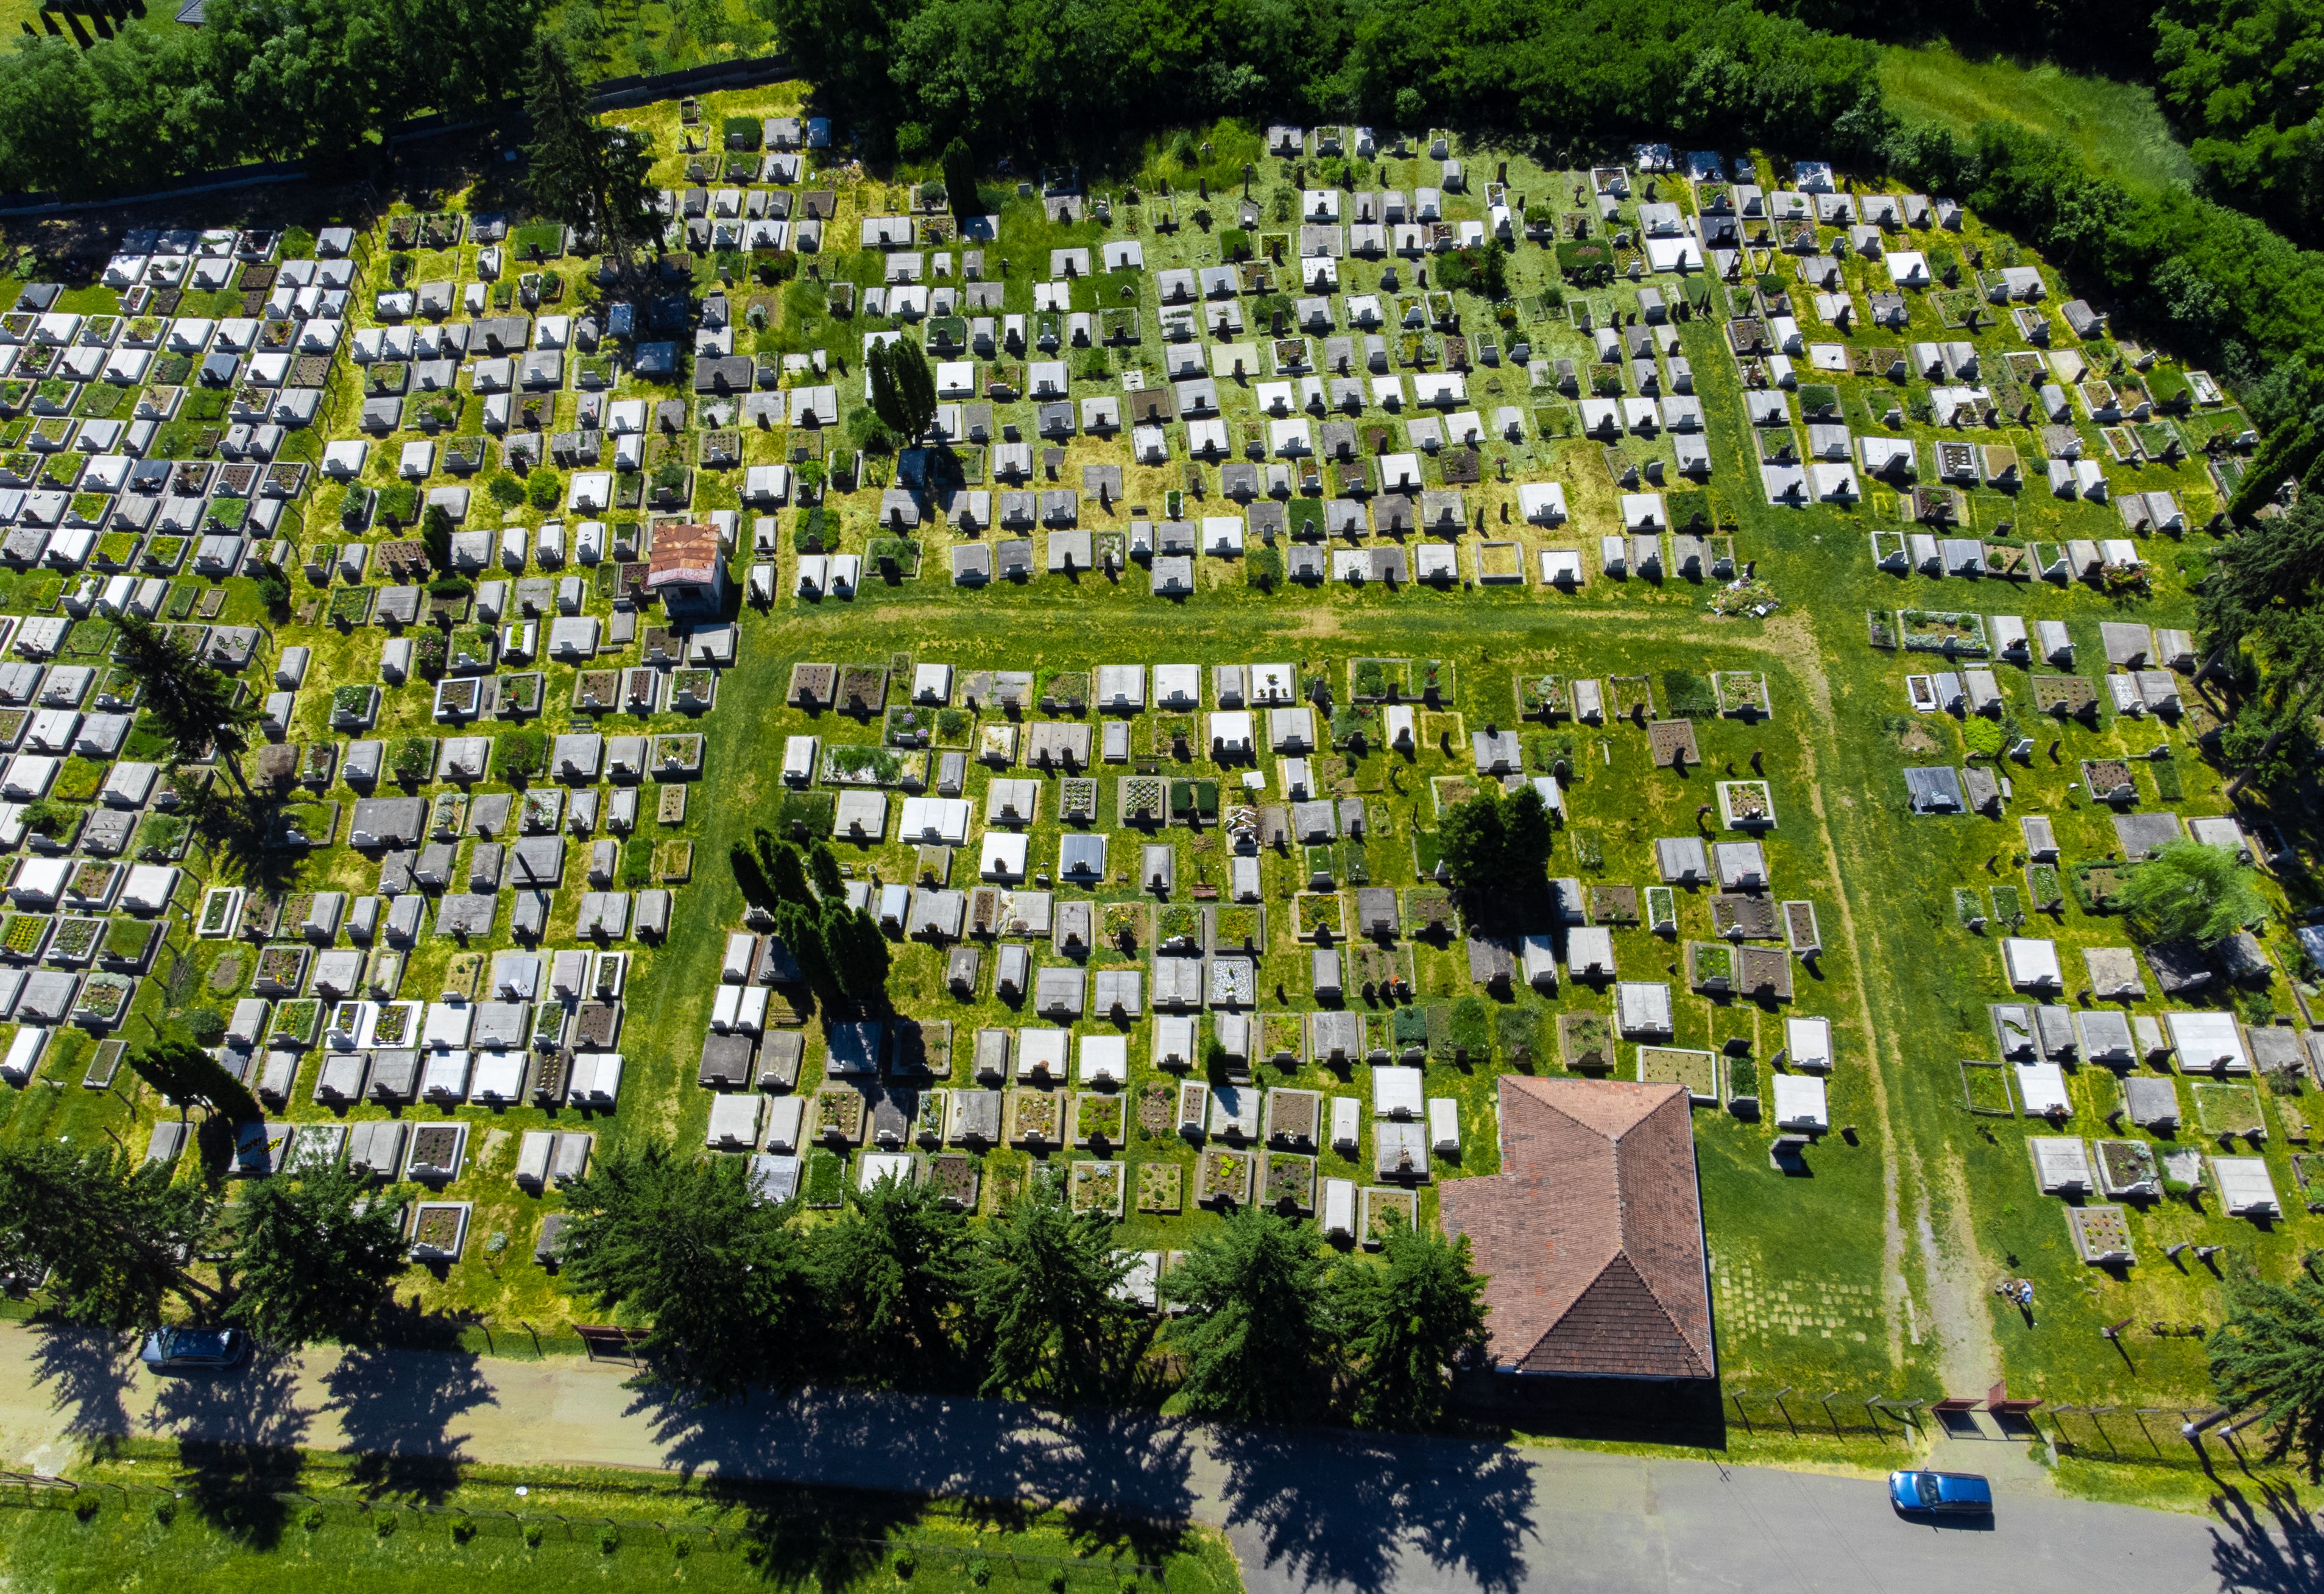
1806	1413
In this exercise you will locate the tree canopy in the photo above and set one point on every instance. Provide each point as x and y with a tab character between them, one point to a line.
894	1274
2268	1358
1258	1336
719	1274
1407	1324
117	1240
1497	849
312	1255
1044	1291
2189	892
591	178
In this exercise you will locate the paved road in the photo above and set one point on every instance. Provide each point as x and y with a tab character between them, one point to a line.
1308	1513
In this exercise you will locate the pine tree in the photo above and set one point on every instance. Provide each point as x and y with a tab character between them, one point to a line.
2268	1356
115	1241
1256	1337
894	1272
1407	1322
562	160
1043	1294
190	703
593	178
687	1245
312	1256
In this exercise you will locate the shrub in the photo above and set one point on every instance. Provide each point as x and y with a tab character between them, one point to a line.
518	754
545	490
506	490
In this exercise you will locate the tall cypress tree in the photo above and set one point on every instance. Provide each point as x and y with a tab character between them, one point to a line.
591	178
563	156
960	178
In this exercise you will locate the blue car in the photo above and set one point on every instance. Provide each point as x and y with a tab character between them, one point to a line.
177	1349
1922	1493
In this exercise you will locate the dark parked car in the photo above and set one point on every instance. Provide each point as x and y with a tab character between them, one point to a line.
1922	1493
176	1349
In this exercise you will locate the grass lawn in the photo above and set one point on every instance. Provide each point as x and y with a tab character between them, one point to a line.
357	1531
2117	127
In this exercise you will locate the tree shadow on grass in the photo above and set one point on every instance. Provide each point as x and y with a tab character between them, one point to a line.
398	1408
1349	1511
239	1430
239	830
89	1372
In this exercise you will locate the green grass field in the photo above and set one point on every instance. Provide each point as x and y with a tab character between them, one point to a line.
2117	126
327	1528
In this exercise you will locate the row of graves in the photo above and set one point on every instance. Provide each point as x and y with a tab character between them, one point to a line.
93	407
501	1030
518	768
2191	1099
547	700
1141	991
92	835
1361	422
2142	692
2085	407
894	1102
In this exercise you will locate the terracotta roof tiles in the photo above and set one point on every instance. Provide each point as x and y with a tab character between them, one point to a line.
1591	1236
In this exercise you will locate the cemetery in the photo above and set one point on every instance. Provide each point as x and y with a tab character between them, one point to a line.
1257	528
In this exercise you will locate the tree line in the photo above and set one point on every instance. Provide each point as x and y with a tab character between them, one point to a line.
258	80
994	72
899	1289
124	1244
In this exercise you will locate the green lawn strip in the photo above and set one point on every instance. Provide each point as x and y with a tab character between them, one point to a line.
358	1530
